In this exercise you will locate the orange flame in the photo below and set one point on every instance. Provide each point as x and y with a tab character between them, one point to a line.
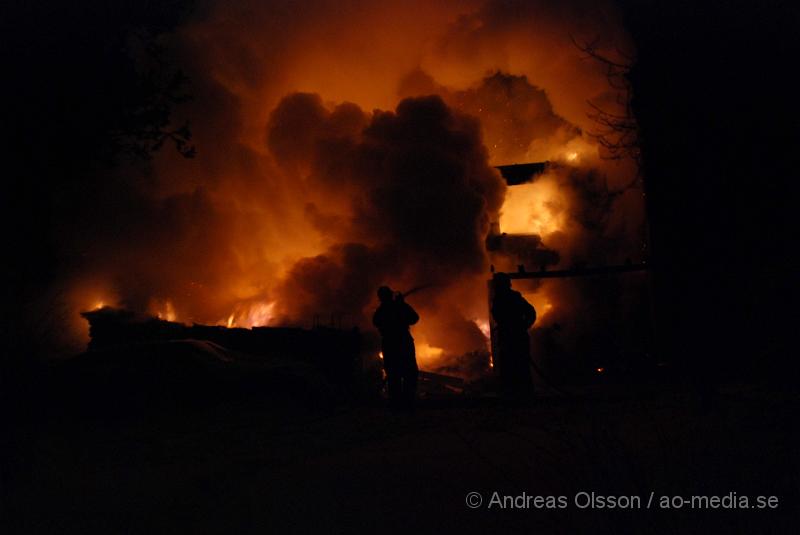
536	208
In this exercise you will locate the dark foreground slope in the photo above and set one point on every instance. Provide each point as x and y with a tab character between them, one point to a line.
266	466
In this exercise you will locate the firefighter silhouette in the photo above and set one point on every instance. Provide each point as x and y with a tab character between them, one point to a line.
513	316
393	318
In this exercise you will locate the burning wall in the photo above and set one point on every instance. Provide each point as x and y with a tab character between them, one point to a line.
341	147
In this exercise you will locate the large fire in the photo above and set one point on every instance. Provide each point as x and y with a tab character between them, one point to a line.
538	208
314	180
256	314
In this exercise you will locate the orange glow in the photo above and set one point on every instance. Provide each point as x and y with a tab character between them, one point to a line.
483	325
600	370
164	310
261	219
536	208
254	314
92	296
84	295
578	151
542	301
258	314
427	354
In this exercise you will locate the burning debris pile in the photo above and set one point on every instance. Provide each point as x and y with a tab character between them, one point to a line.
336	353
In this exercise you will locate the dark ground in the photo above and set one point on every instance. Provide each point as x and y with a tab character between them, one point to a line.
266	467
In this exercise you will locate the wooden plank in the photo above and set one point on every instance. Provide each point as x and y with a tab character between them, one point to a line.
578	272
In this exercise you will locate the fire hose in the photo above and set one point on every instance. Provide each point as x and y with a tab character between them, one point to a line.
415	289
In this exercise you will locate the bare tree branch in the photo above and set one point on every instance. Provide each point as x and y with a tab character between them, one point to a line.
618	134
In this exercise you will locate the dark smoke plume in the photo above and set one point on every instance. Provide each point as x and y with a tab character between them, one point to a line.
302	198
414	185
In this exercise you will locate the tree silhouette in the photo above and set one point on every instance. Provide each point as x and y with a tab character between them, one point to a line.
87	86
618	134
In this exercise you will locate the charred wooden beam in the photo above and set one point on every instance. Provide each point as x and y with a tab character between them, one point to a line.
522	172
337	353
578	272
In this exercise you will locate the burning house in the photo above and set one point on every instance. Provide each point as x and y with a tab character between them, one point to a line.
526	259
321	174
506	250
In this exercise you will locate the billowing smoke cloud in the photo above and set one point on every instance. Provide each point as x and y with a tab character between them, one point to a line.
340	147
410	190
518	120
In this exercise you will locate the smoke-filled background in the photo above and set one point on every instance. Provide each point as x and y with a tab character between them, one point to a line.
342	146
